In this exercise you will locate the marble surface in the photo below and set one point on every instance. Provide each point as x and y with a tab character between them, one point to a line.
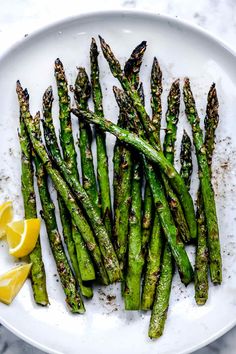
19	17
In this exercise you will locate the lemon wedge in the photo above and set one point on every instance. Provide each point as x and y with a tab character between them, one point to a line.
22	236
6	216
12	281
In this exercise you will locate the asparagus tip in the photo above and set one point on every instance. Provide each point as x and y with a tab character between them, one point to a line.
186	81
26	93
47	98
58	62
93	44
102	41
116	90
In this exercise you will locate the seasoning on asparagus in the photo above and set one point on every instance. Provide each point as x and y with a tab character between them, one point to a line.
123	172
206	187
161	303
102	160
80	258
82	93
201	263
153	135
186	159
38	276
156	91
147	217
153	265
172	118
211	122
133	64
67	279
160	201
135	258
66	136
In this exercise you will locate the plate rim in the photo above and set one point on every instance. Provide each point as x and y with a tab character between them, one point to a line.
117	12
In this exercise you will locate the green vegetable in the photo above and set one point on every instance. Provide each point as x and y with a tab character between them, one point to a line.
102	160
82	93
38	276
152	133
206	187
68	282
77	250
201	263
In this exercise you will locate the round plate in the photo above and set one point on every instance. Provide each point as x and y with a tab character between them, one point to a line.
182	50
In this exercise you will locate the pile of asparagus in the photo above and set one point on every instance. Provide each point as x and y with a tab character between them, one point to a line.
141	239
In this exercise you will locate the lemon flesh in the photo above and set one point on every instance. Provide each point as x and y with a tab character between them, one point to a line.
22	236
6	216
12	281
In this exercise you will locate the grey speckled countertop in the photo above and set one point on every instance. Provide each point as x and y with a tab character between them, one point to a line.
18	17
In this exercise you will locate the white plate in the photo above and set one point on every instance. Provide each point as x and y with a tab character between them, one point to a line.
182	51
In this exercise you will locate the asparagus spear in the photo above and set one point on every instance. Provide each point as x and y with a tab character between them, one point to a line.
135	240
161	303
66	136
135	258
186	159
201	257
123	172
108	253
67	143
82	93
133	64
147	218
148	201
201	264
150	129
123	166
155	243
77	250
201	261
86	290
156	91
206	187
68	282
38	276
211	122
102	160
172	117
153	261
153	265
161	204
